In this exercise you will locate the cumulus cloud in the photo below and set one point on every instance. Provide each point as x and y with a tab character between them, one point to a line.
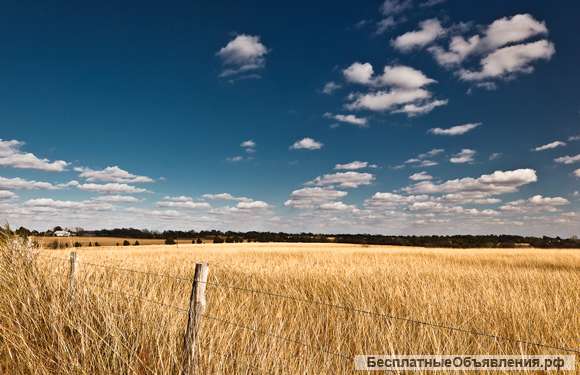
344	179
109	188
310	197
361	73
406	94
568	159
5	194
349	119
111	174
550	146
18	183
577	173
252	205
116	199
390	200
226	197
535	203
306	144
498	182
429	30
330	87
62	204
391	7
249	146
455	130
245	53
464	156
11	155
337	206
385	24
354	165
508	61
184	204
424	159
501	32
420	176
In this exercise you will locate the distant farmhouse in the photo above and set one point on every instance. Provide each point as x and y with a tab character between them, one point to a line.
62	233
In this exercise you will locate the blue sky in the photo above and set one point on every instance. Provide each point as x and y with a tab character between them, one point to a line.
402	116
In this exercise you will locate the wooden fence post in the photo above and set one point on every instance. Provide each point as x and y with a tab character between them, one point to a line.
72	273
197	305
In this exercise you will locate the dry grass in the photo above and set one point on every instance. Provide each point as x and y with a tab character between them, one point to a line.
527	294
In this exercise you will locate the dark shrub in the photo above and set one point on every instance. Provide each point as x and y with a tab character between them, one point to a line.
169	241
136	243
126	243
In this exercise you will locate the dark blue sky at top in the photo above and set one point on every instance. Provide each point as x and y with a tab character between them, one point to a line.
136	84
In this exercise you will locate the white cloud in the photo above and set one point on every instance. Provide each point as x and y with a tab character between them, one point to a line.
501	32
109	188
313	196
391	199
499	182
385	24
226	197
577	173
18	183
349	119
4	194
184	204
535	203
422	160
508	61
248	144
568	159
495	156
404	77
387	100
359	73
306	144
242	54
12	156
235	159
344	179
390	7
574	138
431	3
112	174
116	199
420	176
550	146
414	109
337	206
429	31
252	205
61	204
464	156
330	87
406	94
354	165
455	130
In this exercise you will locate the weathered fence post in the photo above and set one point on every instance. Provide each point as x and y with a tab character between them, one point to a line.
72	273
197	305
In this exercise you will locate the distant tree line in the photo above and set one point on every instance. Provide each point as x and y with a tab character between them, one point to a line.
215	236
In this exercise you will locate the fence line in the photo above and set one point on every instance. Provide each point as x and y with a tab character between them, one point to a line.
344	308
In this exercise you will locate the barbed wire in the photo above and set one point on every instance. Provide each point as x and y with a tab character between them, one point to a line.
350	309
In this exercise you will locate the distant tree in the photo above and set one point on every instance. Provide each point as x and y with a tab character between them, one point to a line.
193	241
22	232
77	244
136	243
97	244
90	244
218	240
169	241
199	241
117	244
57	228
126	243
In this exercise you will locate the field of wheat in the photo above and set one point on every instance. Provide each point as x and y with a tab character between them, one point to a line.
122	322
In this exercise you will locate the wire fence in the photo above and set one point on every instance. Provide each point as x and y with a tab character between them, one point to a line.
346	357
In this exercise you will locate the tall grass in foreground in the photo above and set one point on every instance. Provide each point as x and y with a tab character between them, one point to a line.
102	329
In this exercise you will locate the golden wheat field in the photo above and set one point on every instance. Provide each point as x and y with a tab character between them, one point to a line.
122	322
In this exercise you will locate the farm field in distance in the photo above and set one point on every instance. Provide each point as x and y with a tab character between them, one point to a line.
525	294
